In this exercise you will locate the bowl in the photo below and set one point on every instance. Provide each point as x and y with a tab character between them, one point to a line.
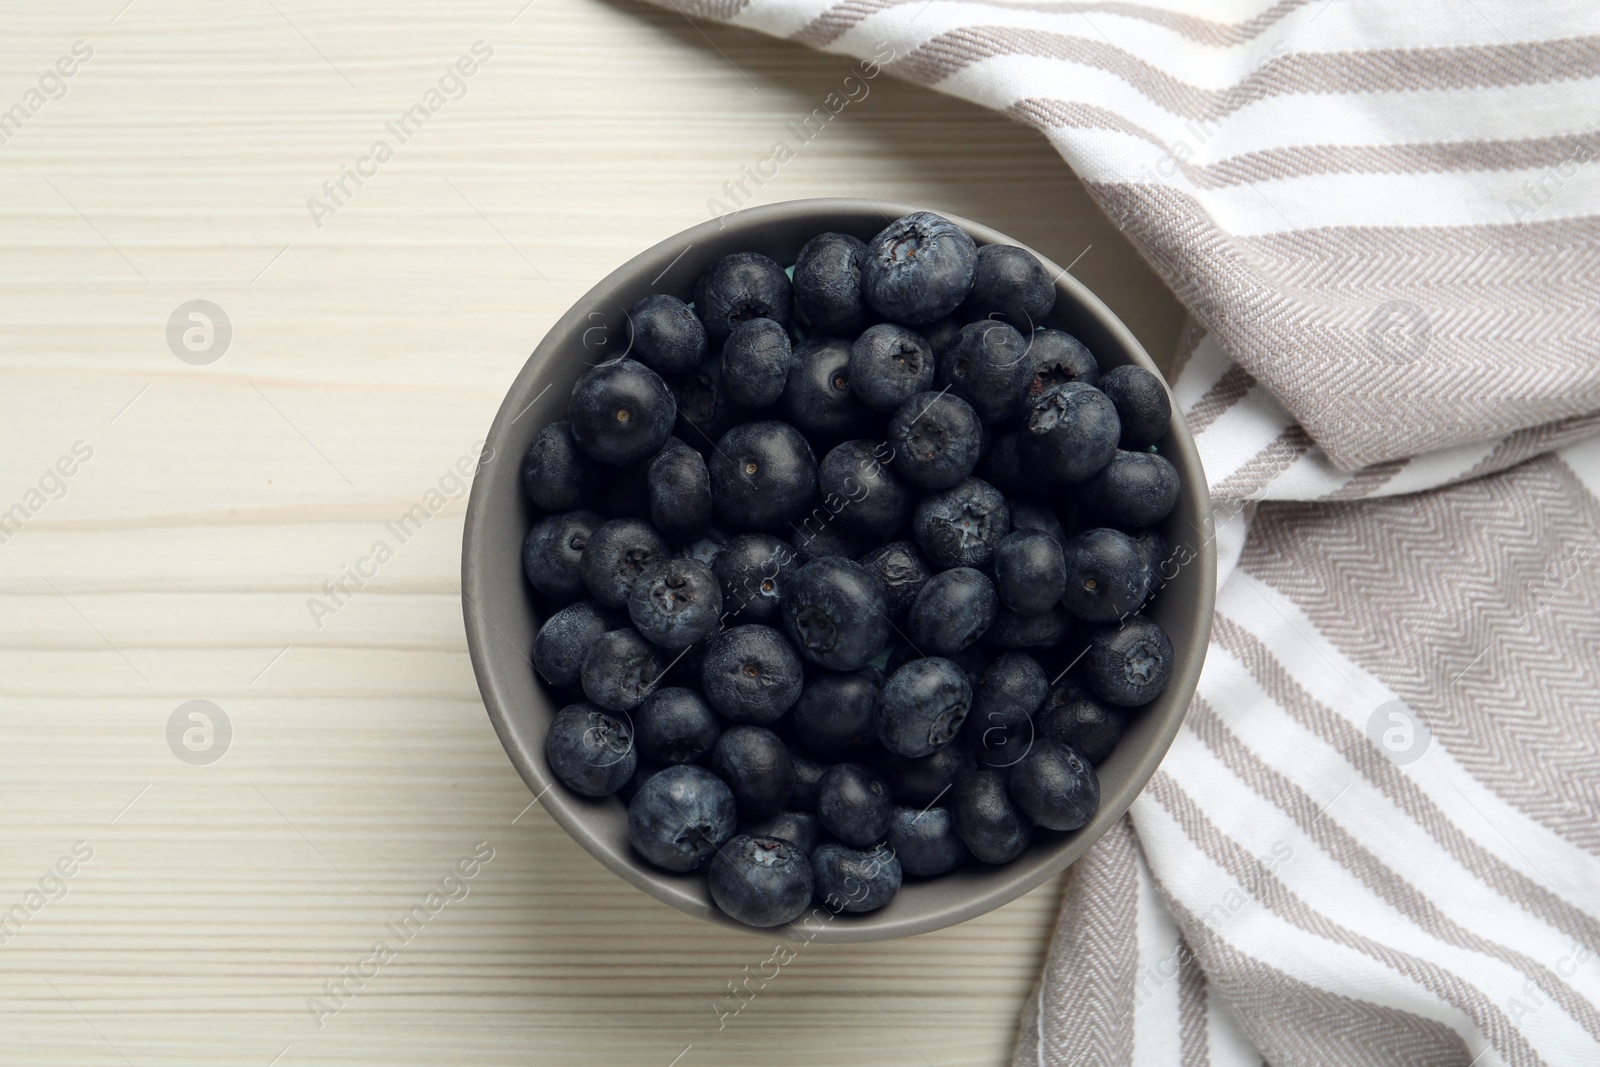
502	619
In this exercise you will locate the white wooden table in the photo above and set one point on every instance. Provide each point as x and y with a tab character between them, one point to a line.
208	502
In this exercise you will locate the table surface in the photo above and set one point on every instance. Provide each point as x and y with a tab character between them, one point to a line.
207	504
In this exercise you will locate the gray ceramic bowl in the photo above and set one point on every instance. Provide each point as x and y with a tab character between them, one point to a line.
501	619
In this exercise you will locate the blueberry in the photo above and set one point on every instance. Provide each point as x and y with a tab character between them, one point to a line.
800	828
903	572
1108	575
937	440
1069	432
924	704
755	363
889	365
918	268
555	472
923	780
704	411
754	570
1129	665
641	774
552	554
680	817
961	526
807	782
834	715
667	335
589	751
813	540
952	611
827	284
1088	725
745	285
1059	358
1010	284
926	842
675	602
1001	729
1055	786
1016	631
763	474
750	673
817	397
621	412
679	490
852	880
620	670
756	765
990	824
1004	467
565	638
990	368
760	881
1142	405
616	554
854	804
1029	572
866	495
836	613
1157	555
1032	515
1133	489
675	725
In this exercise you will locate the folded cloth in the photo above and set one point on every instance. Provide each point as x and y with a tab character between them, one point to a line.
1377	838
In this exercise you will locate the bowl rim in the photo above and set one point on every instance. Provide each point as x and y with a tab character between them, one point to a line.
569	810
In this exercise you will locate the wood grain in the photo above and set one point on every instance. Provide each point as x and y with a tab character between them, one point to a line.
368	355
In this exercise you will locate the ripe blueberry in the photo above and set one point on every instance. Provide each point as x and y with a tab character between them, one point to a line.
745	285
1088	725
1029	572
854	804
756	765
667	335
754	570
952	611
621	412
836	613
589	751
993	828
918	268
1069	432
1133	489
704	411
680	817
1142	405
674	725
751	673
755	363
1108	575
812	540
565	638
1010	284
1128	665
866	495
924	779
827	284
807	783
937	440
1001	729
760	881
552	553
903	572
800	828
1013	630
1055	786
852	880
763	474
961	526
620	670
926	841
675	602
834	715
679	491
1059	358
614	557
1032	515
889	365
817	397
555	472
990	368
924	704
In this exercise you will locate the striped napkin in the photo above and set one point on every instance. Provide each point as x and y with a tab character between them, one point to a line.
1377	839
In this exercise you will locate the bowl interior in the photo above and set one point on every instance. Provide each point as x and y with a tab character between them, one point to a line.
502	619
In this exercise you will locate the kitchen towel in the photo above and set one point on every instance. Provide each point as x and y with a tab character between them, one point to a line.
1376	840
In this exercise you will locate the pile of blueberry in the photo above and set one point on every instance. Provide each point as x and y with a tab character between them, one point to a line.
842	569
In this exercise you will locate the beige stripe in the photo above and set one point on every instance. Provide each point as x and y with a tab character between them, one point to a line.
1228	391
1277	898
1396	785
1193	1040
1384	882
1316	293
1467	603
1301	160
1525	444
1294	1022
1087	1003
1376	70
722	10
1368	480
1189	340
1259	471
841	18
